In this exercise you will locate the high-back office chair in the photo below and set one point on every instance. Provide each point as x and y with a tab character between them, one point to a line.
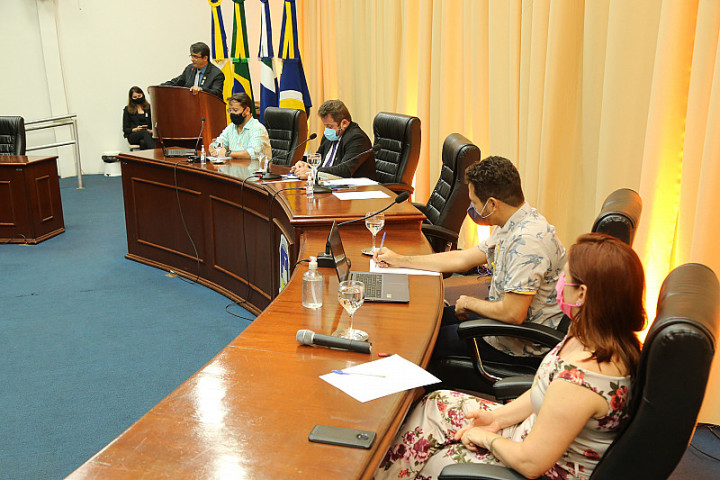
287	128
399	138
447	206
619	214
12	135
668	390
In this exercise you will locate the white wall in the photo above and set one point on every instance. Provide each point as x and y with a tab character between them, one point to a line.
99	50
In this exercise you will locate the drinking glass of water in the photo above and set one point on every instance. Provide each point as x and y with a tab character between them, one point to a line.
374	223
351	295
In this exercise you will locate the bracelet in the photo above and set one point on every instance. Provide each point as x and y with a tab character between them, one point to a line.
490	449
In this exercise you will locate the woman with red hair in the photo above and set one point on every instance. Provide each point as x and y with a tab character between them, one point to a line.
578	402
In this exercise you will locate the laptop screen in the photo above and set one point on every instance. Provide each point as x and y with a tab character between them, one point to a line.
334	243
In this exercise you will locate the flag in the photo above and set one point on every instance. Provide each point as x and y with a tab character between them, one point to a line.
293	86
241	68
218	44
268	78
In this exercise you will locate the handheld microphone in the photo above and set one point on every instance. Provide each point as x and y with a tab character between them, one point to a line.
308	337
399	199
323	189
271	176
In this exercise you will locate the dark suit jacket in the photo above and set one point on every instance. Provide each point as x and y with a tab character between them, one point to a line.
353	142
212	82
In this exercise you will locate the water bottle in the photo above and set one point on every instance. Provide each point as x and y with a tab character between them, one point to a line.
312	286
203	159
309	184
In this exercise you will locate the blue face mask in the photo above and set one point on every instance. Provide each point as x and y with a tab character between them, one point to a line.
331	134
476	216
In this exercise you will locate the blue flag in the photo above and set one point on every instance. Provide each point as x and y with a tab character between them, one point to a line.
268	78
293	86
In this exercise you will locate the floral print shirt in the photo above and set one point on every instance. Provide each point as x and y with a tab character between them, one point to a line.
525	256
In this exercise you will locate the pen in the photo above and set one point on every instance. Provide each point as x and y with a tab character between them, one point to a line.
382	242
340	372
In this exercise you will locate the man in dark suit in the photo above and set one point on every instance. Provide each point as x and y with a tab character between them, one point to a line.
342	145
200	74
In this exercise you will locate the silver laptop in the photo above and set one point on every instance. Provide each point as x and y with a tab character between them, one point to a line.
379	287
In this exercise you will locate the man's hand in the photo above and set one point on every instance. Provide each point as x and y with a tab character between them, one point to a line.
387	258
195	90
463	306
301	170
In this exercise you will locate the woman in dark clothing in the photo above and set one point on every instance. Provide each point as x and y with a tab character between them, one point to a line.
136	120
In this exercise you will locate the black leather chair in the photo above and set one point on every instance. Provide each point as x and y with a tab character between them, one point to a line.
447	206
12	136
287	128
619	216
667	392
399	138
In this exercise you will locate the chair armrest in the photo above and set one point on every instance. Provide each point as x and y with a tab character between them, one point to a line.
478	471
512	387
534	332
439	232
399	187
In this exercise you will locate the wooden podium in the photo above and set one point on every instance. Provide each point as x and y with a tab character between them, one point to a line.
177	115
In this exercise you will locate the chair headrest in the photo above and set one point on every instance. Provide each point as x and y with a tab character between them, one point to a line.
620	215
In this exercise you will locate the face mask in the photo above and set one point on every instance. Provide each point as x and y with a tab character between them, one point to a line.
237	118
476	216
139	101
559	288
331	134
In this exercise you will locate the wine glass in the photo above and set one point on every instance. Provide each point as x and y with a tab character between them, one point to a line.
351	295
374	223
262	160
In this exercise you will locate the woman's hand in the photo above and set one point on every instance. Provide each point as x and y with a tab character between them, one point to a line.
479	419
476	436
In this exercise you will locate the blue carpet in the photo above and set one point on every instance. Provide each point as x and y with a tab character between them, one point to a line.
90	340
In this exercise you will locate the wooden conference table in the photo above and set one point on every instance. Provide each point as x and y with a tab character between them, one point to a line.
248	412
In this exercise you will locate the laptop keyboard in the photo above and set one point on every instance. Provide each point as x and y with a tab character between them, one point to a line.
179	152
373	283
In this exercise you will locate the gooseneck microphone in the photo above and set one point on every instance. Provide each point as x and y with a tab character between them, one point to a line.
272	176
399	199
202	127
323	189
308	337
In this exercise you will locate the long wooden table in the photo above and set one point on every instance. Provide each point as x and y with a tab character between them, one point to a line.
248	412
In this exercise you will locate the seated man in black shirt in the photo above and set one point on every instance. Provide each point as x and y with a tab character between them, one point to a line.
341	145
200	74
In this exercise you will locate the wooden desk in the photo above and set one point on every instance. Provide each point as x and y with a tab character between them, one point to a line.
248	412
30	204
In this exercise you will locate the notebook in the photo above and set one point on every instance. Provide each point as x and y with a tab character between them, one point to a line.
379	287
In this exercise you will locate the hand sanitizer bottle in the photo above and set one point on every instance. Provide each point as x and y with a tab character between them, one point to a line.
203	158
312	286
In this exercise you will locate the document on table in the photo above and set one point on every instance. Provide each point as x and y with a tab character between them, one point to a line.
350	182
380	378
361	195
407	271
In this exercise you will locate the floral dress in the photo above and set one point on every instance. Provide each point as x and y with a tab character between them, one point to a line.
425	444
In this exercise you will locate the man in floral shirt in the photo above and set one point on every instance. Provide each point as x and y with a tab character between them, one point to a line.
523	253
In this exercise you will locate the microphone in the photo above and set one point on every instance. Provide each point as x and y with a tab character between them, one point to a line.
399	199
202	127
323	189
271	176
308	337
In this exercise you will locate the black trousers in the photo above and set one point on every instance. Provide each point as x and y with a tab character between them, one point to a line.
143	138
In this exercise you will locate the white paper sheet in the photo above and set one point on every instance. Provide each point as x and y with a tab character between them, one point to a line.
407	271
397	374
360	195
351	182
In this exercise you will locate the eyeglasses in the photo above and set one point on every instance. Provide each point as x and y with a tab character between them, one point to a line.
235	110
195	56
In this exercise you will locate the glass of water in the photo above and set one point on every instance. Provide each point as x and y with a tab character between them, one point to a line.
313	159
214	146
374	223
351	295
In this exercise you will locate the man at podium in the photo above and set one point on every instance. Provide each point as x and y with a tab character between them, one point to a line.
200	74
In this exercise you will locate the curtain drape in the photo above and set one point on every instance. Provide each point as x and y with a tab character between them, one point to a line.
583	96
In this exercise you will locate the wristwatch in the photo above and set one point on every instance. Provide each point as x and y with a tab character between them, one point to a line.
228	152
